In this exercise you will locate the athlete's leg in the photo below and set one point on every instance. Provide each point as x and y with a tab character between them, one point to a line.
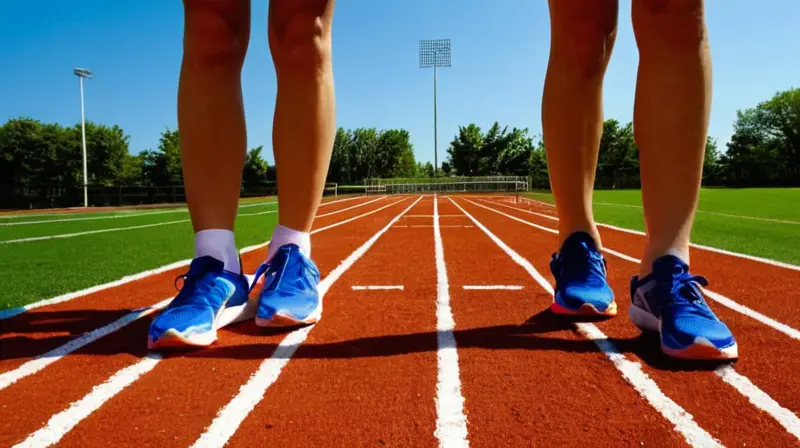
582	34
673	103
304	125
212	131
302	139
211	120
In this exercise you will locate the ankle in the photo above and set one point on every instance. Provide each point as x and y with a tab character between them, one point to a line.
219	244
646	266
282	236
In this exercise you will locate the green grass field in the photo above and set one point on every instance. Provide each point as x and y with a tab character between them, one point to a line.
764	222
36	270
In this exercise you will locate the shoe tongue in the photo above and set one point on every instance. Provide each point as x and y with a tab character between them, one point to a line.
206	263
580	240
670	264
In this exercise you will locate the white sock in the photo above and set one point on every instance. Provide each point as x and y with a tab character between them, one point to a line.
218	243
284	235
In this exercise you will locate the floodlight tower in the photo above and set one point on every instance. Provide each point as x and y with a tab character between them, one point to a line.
83	73
434	53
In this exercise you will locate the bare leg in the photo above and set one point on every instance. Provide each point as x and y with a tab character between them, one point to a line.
673	103
304	124
582	37
210	109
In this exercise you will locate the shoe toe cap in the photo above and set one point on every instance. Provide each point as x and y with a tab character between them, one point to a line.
575	296
686	331
186	320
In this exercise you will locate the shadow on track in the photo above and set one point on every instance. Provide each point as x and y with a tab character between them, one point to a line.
529	335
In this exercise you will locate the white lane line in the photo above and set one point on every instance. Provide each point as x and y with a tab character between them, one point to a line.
63	422
54	355
769	261
377	287
5	314
428	226
251	393
431	216
630	370
761	400
741	383
492	287
40	362
715	296
350	208
341	200
116	229
728	215
118	216
451	423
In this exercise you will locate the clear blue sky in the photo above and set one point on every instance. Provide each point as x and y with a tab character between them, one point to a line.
500	52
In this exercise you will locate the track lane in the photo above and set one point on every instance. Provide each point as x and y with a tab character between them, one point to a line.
194	386
71	377
529	379
42	329
763	350
366	375
714	404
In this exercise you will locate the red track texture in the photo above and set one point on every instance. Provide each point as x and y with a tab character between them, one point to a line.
377	370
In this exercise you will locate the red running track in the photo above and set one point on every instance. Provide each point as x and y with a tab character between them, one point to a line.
444	361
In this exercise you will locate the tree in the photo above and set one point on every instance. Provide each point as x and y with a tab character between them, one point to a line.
514	157
618	161
537	164
465	151
255	167
711	162
424	169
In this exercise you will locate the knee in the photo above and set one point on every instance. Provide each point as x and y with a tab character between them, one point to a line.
300	37
677	24
216	32
583	39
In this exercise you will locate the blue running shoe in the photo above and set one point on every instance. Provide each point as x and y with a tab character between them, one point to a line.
289	297
670	301
580	273
209	299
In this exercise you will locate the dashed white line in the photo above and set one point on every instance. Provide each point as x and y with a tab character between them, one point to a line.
492	287
631	371
377	287
451	423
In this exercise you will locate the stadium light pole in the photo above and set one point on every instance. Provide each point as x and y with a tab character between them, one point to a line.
434	53
83	73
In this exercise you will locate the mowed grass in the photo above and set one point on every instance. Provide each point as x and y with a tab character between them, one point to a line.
763	222
38	270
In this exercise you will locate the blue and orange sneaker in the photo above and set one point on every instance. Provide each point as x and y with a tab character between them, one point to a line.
209	299
289	296
580	273
670	301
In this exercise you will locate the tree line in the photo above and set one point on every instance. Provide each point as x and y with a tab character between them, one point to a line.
764	150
